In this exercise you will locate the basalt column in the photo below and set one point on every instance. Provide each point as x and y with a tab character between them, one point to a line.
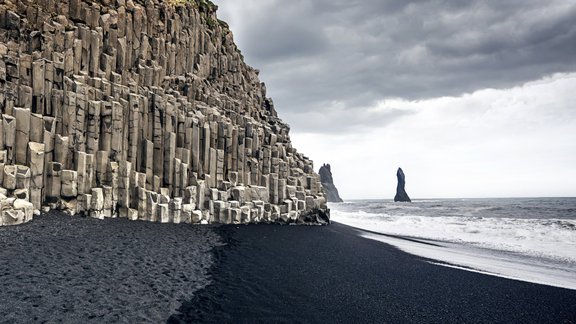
143	110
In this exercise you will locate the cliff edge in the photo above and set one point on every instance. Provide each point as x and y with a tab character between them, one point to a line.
144	110
330	189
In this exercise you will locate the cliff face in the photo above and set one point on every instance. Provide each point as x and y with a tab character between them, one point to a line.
330	189
140	109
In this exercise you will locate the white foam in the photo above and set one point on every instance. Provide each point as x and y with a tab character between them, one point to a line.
483	261
546	238
535	250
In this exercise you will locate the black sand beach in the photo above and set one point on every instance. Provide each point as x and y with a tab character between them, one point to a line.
331	275
82	270
71	269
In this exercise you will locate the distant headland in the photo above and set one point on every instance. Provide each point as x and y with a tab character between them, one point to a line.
327	181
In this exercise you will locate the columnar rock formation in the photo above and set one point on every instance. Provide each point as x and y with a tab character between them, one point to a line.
140	109
330	189
401	194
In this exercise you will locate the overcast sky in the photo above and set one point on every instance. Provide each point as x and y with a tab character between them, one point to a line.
470	98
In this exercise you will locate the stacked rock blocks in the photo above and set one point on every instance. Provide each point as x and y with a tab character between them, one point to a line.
143	110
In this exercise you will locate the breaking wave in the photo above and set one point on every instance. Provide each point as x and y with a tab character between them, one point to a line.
544	228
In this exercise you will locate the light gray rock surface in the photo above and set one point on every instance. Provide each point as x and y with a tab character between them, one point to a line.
115	108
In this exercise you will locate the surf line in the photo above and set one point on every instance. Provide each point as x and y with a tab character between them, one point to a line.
400	237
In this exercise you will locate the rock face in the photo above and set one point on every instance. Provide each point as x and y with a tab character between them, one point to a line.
401	194
330	189
144	110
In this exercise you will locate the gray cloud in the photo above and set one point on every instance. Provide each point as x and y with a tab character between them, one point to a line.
341	121
313	53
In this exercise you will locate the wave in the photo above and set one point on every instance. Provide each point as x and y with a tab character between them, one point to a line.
546	238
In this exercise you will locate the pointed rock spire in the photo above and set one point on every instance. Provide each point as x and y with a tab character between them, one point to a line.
401	194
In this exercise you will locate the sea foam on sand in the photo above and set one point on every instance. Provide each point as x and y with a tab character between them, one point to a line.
497	263
541	251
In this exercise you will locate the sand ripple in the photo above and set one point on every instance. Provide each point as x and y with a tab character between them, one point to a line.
73	269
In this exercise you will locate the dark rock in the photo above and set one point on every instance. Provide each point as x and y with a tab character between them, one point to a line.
12	21
401	194
315	217
328	184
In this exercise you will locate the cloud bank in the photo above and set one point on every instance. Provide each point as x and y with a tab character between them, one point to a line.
315	54
518	142
471	98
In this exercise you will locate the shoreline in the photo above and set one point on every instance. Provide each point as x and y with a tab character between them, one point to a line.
72	269
503	264
273	273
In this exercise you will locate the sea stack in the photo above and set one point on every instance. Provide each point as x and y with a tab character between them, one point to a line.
401	194
330	190
143	110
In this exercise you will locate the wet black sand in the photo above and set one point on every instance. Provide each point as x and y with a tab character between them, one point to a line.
78	270
331	275
59	268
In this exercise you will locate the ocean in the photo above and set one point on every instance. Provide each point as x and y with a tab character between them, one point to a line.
529	239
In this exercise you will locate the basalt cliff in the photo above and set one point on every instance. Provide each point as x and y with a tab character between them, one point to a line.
143	110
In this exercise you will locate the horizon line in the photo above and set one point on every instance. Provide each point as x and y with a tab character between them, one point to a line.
432	198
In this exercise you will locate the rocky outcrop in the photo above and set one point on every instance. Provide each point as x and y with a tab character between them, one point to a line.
144	110
330	189
401	194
